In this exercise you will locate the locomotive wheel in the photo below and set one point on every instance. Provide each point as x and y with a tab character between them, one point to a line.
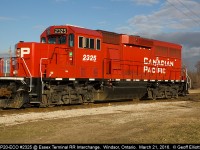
154	94
18	101
168	95
80	99
44	102
176	96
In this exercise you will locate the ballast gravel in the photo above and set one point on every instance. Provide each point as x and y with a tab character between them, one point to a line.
14	119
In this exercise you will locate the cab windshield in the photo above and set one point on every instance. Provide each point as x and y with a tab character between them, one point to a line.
62	39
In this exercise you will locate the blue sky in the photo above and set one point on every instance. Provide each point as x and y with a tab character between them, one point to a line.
175	21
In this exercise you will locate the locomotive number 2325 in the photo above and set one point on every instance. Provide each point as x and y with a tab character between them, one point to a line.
89	57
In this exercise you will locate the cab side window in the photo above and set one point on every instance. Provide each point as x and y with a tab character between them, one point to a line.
80	42
98	44
71	39
89	43
86	43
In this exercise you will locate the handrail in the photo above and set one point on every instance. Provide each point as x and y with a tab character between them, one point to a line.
189	80
7	66
41	72
6	61
29	74
1	66
41	67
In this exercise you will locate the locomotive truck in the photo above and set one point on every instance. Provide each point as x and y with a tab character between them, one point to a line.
74	65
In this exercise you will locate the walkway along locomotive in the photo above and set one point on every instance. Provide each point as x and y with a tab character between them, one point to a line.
73	65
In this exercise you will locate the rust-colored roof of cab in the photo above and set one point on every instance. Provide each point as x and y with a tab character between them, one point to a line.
76	29
85	31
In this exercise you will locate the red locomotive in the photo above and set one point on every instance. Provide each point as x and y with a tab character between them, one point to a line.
74	65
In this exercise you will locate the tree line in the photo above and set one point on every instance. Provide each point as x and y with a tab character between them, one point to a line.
195	75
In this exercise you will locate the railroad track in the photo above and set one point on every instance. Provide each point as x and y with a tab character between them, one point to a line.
191	97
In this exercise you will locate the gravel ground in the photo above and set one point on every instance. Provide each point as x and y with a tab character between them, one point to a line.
14	119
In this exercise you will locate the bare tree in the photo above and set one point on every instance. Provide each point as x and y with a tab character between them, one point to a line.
198	73
198	67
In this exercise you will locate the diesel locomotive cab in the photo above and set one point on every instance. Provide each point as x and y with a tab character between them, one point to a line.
57	35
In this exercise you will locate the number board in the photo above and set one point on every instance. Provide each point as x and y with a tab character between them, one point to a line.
60	30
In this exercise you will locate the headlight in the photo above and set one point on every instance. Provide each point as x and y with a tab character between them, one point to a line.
15	72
